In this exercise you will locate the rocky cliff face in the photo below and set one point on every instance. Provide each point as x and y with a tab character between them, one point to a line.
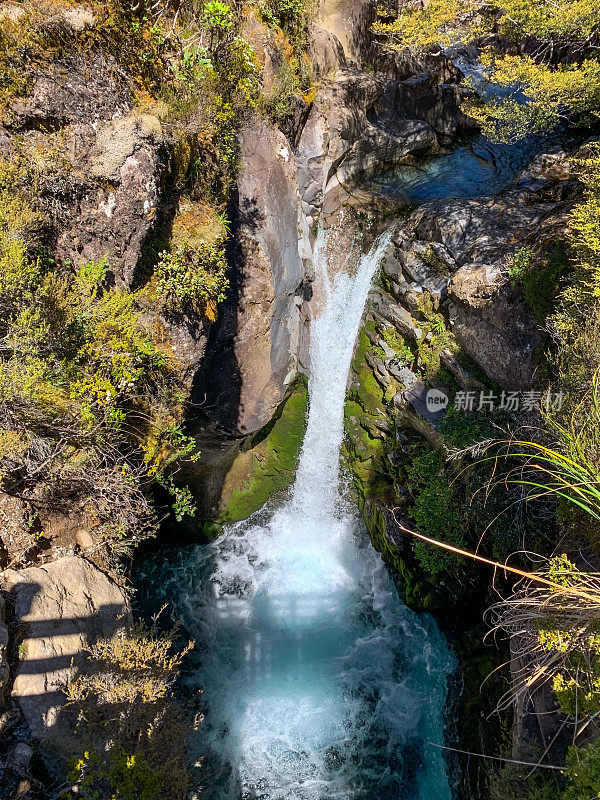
354	125
258	348
56	610
286	187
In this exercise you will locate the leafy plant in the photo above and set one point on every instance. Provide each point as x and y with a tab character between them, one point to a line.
192	278
519	264
218	16
558	80
541	282
289	15
130	730
583	772
434	510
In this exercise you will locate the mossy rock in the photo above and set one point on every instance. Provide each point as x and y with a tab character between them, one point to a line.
196	223
267	462
418	594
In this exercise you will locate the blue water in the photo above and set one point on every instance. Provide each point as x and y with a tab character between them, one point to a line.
477	169
317	682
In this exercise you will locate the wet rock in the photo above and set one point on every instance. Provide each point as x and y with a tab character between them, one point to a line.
235	477
460	372
383	305
260	338
59	607
349	131
265	464
422	96
378	147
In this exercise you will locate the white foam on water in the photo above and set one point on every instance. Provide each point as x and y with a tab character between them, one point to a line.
319	683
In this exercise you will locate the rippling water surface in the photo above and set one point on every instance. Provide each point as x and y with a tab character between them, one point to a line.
318	683
477	169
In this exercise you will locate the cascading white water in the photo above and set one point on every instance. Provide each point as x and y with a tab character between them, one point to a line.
319	684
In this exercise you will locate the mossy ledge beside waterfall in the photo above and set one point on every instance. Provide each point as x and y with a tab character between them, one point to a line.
317	681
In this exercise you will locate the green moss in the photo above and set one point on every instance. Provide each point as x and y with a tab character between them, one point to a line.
431	258
440	338
366	442
541	282
417	593
367	392
268	462
398	344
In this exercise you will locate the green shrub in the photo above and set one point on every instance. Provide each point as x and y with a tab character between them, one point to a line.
541	282
433	326
559	81
435	511
129	729
519	264
583	772
289	15
192	278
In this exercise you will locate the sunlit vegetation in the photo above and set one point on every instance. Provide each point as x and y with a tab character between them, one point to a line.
85	390
544	55
130	732
192	277
552	615
92	401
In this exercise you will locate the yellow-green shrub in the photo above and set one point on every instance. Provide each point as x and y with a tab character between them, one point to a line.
559	82
130	731
192	277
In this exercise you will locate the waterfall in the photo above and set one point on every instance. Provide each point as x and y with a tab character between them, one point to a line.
334	329
318	683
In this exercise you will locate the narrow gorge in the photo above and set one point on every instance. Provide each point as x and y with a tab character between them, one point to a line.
298	317
322	684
